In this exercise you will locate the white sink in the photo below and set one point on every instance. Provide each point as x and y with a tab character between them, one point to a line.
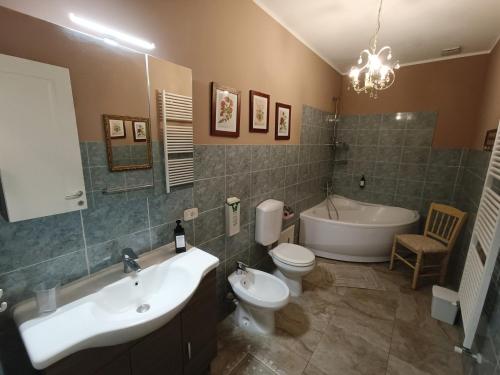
120	312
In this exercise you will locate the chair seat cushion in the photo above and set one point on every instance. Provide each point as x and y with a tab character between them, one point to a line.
421	243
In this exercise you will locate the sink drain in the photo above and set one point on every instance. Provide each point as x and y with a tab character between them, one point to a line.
143	308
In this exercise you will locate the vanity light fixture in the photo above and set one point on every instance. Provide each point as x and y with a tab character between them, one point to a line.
111	35
374	70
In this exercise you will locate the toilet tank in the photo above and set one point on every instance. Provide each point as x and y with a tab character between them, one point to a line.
268	219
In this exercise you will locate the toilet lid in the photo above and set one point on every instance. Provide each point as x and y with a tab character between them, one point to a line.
294	255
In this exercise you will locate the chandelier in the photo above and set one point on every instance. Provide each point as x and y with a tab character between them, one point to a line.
375	70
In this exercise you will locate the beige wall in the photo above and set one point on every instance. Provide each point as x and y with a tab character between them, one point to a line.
104	80
231	42
489	112
164	75
451	87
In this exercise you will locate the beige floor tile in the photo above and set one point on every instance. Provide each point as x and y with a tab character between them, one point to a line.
277	352
415	308
313	370
397	366
320	276
331	330
372	303
424	350
392	280
251	366
232	347
301	329
354	343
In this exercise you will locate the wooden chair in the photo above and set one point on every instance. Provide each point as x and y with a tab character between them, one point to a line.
442	227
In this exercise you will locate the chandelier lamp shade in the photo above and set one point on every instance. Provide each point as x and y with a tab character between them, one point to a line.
374	70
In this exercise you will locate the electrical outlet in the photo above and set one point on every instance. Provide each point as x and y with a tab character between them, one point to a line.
190	214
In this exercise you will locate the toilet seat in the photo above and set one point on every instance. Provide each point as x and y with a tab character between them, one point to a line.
293	255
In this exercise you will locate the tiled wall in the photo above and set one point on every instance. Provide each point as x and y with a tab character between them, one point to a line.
69	246
394	152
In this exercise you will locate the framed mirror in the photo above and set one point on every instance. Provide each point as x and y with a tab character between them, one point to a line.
128	142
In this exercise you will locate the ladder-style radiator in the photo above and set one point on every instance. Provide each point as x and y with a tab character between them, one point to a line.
176	116
483	250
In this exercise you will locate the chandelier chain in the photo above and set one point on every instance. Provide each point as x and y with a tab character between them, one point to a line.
373	40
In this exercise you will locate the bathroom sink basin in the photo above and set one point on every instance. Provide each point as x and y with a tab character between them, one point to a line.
120	312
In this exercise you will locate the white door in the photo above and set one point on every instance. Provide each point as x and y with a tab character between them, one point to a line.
40	164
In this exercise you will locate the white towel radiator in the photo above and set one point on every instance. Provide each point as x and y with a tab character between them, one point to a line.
176	116
483	250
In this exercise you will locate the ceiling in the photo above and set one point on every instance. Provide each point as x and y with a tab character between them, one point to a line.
417	30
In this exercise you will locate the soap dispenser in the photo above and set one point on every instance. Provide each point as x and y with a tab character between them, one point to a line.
362	182
180	238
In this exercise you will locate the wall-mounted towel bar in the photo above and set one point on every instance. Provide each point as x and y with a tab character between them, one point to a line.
125	189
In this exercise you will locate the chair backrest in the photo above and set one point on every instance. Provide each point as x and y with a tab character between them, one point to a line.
444	223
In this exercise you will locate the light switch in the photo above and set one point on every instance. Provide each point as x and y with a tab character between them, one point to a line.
190	213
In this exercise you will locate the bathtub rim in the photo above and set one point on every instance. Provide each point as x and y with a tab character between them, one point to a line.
306	214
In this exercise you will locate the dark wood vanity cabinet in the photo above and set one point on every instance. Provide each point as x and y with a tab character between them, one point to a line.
185	345
199	334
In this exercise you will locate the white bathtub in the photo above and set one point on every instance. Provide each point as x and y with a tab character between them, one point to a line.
364	232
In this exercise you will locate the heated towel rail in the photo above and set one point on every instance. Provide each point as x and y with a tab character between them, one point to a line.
483	250
176	116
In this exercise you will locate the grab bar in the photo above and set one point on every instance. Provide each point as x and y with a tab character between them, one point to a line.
125	189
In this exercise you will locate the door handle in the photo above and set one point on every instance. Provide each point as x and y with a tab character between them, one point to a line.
3	305
77	195
189	349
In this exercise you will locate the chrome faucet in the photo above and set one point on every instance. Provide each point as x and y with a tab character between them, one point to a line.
129	263
241	268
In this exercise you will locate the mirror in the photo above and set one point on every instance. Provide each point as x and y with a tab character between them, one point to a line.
128	142
111	85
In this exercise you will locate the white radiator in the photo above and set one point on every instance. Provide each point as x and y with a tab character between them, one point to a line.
178	138
483	250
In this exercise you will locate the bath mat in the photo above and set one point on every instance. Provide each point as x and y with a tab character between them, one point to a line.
355	277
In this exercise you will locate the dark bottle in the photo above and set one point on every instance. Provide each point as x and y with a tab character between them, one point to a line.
362	182
180	238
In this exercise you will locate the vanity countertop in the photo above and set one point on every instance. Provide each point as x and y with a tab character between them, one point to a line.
28	310
111	308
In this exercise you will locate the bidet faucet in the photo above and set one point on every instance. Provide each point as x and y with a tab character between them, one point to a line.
129	263
241	267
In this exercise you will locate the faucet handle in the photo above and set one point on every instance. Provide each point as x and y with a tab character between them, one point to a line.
241	266
129	253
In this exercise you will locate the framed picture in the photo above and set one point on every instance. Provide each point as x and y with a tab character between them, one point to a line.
259	112
489	139
116	128
140	131
225	111
283	121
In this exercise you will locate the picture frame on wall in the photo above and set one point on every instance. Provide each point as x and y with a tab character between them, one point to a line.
259	112
225	111
140	129
116	128
283	121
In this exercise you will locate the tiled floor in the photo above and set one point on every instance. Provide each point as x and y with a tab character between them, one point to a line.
333	330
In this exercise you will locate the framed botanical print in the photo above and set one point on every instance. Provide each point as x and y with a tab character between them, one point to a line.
259	112
116	128
225	111
283	121
140	131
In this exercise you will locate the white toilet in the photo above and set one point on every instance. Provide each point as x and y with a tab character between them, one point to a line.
292	261
260	294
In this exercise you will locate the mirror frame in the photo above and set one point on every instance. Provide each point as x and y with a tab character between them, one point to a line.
109	150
